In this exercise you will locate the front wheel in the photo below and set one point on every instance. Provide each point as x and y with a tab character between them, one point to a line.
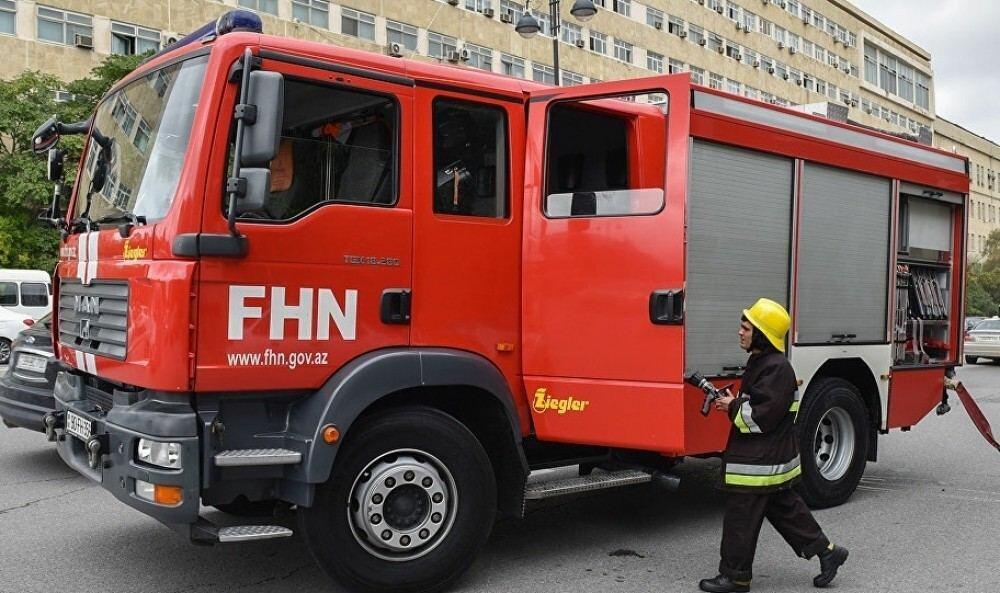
971	359
408	506
833	442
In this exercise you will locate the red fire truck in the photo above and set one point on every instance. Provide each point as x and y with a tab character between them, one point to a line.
385	291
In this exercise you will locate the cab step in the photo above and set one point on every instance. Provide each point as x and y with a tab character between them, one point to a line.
599	480
251	533
250	457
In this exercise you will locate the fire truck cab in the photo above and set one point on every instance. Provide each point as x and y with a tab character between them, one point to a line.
384	291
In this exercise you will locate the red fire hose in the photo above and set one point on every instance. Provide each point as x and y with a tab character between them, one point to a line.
973	410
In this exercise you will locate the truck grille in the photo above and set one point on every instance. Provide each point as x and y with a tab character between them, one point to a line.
94	318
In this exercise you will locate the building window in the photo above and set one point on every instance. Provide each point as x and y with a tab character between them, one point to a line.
268	6
792	6
623	51
142	133
512	65
543	73
8	17
401	33
513	9
571	33
544	23
314	12
598	42
654	18
61	26
478	5
696	34
439	45
750	92
571	78
923	91
676	26
733	11
733	86
480	57
654	62
357	24
623	7
715	80
697	75
871	64
130	40
714	42
676	66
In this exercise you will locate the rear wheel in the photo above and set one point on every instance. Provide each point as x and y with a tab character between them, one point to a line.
408	506
4	351
833	442
971	359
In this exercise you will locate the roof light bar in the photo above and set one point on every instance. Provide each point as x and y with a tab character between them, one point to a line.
230	22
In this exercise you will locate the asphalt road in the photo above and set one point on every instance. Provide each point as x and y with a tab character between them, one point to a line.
925	519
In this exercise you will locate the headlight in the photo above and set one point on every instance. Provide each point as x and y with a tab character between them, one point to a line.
166	455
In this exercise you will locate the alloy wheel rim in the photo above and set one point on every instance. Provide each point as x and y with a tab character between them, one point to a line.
402	505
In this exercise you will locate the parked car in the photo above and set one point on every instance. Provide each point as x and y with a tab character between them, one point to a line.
11	324
983	341
25	393
28	292
971	322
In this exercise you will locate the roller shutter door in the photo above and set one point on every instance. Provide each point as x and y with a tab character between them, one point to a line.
843	256
739	236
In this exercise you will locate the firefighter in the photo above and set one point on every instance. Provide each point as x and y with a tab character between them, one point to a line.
761	461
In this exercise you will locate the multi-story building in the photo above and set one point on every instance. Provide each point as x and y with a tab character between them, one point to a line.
790	52
984	179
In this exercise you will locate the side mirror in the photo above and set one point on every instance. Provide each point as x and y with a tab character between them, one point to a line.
46	136
262	114
257	190
55	165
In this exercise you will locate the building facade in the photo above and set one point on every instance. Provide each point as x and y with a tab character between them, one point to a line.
789	52
984	179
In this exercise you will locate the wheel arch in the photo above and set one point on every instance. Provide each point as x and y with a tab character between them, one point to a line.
856	372
462	384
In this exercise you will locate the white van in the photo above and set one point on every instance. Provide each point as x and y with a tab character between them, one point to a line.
28	292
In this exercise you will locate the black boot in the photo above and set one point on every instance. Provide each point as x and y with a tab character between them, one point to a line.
829	561
723	584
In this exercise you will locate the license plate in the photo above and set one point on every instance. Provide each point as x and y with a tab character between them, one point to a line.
30	362
987	338
78	426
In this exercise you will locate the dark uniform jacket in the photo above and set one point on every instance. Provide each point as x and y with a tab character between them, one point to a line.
763	454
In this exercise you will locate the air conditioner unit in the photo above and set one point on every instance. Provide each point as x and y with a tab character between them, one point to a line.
464	55
453	2
854	102
738	56
702	41
722	49
488	12
453	55
506	17
581	43
836	39
719	9
682	34
739	26
169	38
847	69
395	50
658	25
84	41
756	63
702	2
805	19
770	69
785	76
792	50
782	4
868	109
781	45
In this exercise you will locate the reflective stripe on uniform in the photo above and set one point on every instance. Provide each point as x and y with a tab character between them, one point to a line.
744	419
794	408
744	474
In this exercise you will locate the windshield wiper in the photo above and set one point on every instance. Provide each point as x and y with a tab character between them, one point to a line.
129	219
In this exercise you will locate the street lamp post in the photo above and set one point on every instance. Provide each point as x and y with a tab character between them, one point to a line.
527	26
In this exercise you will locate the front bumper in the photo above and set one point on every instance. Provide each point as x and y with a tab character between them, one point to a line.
24	402
150	415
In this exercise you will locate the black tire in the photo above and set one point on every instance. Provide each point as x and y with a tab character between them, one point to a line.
832	467
242	507
422	436
971	359
4	351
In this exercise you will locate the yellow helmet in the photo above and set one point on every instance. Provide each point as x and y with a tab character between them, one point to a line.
771	319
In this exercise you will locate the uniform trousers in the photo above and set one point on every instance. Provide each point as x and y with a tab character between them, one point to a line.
745	513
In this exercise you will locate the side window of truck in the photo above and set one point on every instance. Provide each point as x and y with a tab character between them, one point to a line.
8	294
587	166
470	159
337	145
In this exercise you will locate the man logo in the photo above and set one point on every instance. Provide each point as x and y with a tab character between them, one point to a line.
87	304
543	401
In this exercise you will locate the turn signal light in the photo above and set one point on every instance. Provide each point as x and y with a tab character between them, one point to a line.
168	496
29	322
331	434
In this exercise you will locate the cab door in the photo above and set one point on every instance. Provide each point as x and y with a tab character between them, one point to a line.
329	254
603	274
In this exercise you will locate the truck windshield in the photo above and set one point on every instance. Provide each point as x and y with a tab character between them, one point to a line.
140	135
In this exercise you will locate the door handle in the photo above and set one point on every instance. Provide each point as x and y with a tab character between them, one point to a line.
395	306
666	307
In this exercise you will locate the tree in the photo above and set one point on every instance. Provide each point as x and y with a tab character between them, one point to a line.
26	102
983	279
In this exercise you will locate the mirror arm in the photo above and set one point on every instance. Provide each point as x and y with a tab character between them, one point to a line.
233	186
